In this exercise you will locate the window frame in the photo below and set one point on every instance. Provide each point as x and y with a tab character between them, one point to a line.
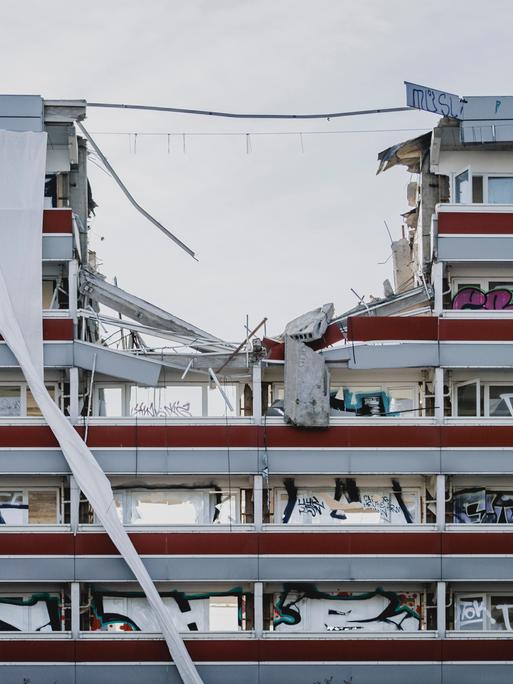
126	389
486	175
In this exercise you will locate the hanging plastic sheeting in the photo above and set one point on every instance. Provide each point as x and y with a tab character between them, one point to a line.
22	172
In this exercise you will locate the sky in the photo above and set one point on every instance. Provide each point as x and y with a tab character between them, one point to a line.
281	223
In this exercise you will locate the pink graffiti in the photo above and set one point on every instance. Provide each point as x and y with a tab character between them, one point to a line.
474	298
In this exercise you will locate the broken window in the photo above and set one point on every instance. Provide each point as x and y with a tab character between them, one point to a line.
475	398
165	401
177	507
191	612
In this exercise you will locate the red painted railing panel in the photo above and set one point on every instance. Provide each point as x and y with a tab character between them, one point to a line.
473	222
57	221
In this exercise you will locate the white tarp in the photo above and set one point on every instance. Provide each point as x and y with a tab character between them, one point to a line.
22	173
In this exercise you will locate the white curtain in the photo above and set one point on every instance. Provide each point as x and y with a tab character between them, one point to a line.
22	174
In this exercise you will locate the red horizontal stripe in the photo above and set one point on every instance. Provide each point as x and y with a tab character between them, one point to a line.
365	328
475	223
55	329
340	541
276	437
428	328
384	649
57	221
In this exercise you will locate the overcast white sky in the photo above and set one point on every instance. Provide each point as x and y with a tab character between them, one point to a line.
280	230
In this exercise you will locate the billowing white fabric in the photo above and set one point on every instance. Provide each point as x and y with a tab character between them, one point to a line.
22	173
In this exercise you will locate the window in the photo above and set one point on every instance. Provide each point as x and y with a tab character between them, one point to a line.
16	400
479	188
482	293
34	506
491	611
30	612
201	611
375	400
475	398
462	188
482	506
500	190
165	401
177	507
370	506
307	609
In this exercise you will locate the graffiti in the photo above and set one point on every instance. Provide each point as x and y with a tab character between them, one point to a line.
471	612
310	505
482	506
34	613
173	409
12	508
347	499
475	298
382	504
140	619
505	608
387	609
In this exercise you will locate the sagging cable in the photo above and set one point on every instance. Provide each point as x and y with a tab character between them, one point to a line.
131	199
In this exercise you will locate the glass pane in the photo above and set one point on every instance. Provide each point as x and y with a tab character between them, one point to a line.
12	509
501	400
223	613
462	188
500	190
43	507
110	402
501	613
402	400
10	401
168	507
173	401
467	400
32	408
477	189
470	612
28	613
216	403
228	510
123	614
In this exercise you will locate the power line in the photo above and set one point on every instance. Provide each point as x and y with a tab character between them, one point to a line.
262	133
232	115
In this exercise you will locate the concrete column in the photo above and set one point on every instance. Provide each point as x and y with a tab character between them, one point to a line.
439	394
437	271
257	393
75	609
258	501
440	502
440	609
73	395
259	608
74	503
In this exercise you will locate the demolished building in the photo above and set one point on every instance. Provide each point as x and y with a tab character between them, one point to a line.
331	504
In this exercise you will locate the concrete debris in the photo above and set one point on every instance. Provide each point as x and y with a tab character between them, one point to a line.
306	402
312	325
